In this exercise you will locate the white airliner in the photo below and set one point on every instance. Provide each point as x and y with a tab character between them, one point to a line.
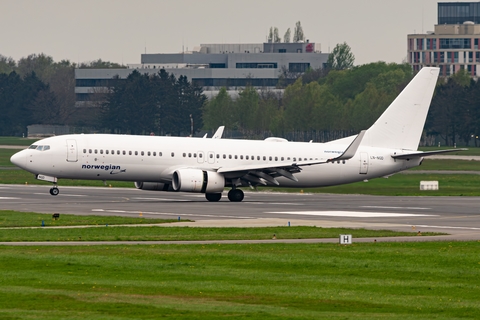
209	165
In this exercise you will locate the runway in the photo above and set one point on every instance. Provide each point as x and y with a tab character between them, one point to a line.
455	215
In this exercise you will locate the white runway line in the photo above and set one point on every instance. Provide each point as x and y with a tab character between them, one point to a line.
353	214
404	208
9	198
174	214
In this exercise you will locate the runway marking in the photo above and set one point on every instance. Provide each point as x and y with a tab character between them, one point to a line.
161	199
174	214
61	195
406	208
355	214
9	198
447	227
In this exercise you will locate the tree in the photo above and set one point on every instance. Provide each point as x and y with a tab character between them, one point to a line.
341	57
7	65
219	111
286	37
298	35
100	64
158	103
276	36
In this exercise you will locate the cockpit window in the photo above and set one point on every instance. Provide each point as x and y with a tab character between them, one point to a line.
39	148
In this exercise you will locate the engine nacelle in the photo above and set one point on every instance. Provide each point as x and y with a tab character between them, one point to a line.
155	186
196	180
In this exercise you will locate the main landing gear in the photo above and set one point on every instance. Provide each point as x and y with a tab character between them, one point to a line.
234	195
54	191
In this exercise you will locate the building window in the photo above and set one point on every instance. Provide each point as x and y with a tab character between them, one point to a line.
282	50
455	43
298	67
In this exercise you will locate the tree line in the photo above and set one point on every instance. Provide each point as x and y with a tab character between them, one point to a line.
320	105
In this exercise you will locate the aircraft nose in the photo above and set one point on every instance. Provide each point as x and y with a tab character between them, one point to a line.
19	159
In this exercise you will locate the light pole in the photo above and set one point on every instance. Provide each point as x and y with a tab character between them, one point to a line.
191	126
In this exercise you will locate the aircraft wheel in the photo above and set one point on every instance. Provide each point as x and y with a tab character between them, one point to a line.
54	191
235	195
213	197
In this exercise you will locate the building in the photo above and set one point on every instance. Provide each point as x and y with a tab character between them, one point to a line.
213	66
453	45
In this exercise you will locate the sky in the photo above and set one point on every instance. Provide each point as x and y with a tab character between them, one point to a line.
120	30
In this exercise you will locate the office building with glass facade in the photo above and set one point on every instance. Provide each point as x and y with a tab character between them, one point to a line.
453	45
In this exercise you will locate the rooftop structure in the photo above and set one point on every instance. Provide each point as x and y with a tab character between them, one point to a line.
213	66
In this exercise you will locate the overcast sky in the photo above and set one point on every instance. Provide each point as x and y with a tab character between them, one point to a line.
121	30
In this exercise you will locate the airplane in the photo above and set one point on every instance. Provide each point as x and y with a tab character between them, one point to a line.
208	166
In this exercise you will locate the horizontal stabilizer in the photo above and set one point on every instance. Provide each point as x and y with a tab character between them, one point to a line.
425	154
352	148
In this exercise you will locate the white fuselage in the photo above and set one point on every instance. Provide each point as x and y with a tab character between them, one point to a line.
154	159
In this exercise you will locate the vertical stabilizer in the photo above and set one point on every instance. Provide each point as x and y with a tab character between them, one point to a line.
401	125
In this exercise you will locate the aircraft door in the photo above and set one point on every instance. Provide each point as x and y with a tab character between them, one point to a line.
211	157
72	150
363	163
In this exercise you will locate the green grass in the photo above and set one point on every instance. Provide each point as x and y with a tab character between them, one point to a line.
16	141
404	185
447	164
5	155
9	218
269	281
154	233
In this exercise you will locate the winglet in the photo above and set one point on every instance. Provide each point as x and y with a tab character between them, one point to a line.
352	148
218	134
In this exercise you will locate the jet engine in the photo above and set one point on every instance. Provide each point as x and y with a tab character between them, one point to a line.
155	186
196	180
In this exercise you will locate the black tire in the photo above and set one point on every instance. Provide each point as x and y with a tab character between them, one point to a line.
213	197
235	195
54	191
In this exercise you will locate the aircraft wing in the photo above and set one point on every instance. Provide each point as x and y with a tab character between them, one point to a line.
425	154
262	173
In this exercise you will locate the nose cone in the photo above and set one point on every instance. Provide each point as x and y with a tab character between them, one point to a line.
19	159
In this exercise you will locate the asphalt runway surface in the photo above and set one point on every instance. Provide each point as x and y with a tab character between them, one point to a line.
459	216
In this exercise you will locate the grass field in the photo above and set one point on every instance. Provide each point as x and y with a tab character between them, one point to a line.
270	281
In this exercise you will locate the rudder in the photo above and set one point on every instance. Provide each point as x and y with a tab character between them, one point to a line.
401	124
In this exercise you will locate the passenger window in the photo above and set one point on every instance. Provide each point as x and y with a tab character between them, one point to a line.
236	157
96	151
154	153
118	152
142	153
229	156
160	154
282	159
136	153
173	154
113	151
194	155
270	158
189	155
200	155
124	152
264	158
224	156
184	154
211	156
241	157
84	150
148	153
129	153
106	151
101	151
218	156
276	158
246	157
